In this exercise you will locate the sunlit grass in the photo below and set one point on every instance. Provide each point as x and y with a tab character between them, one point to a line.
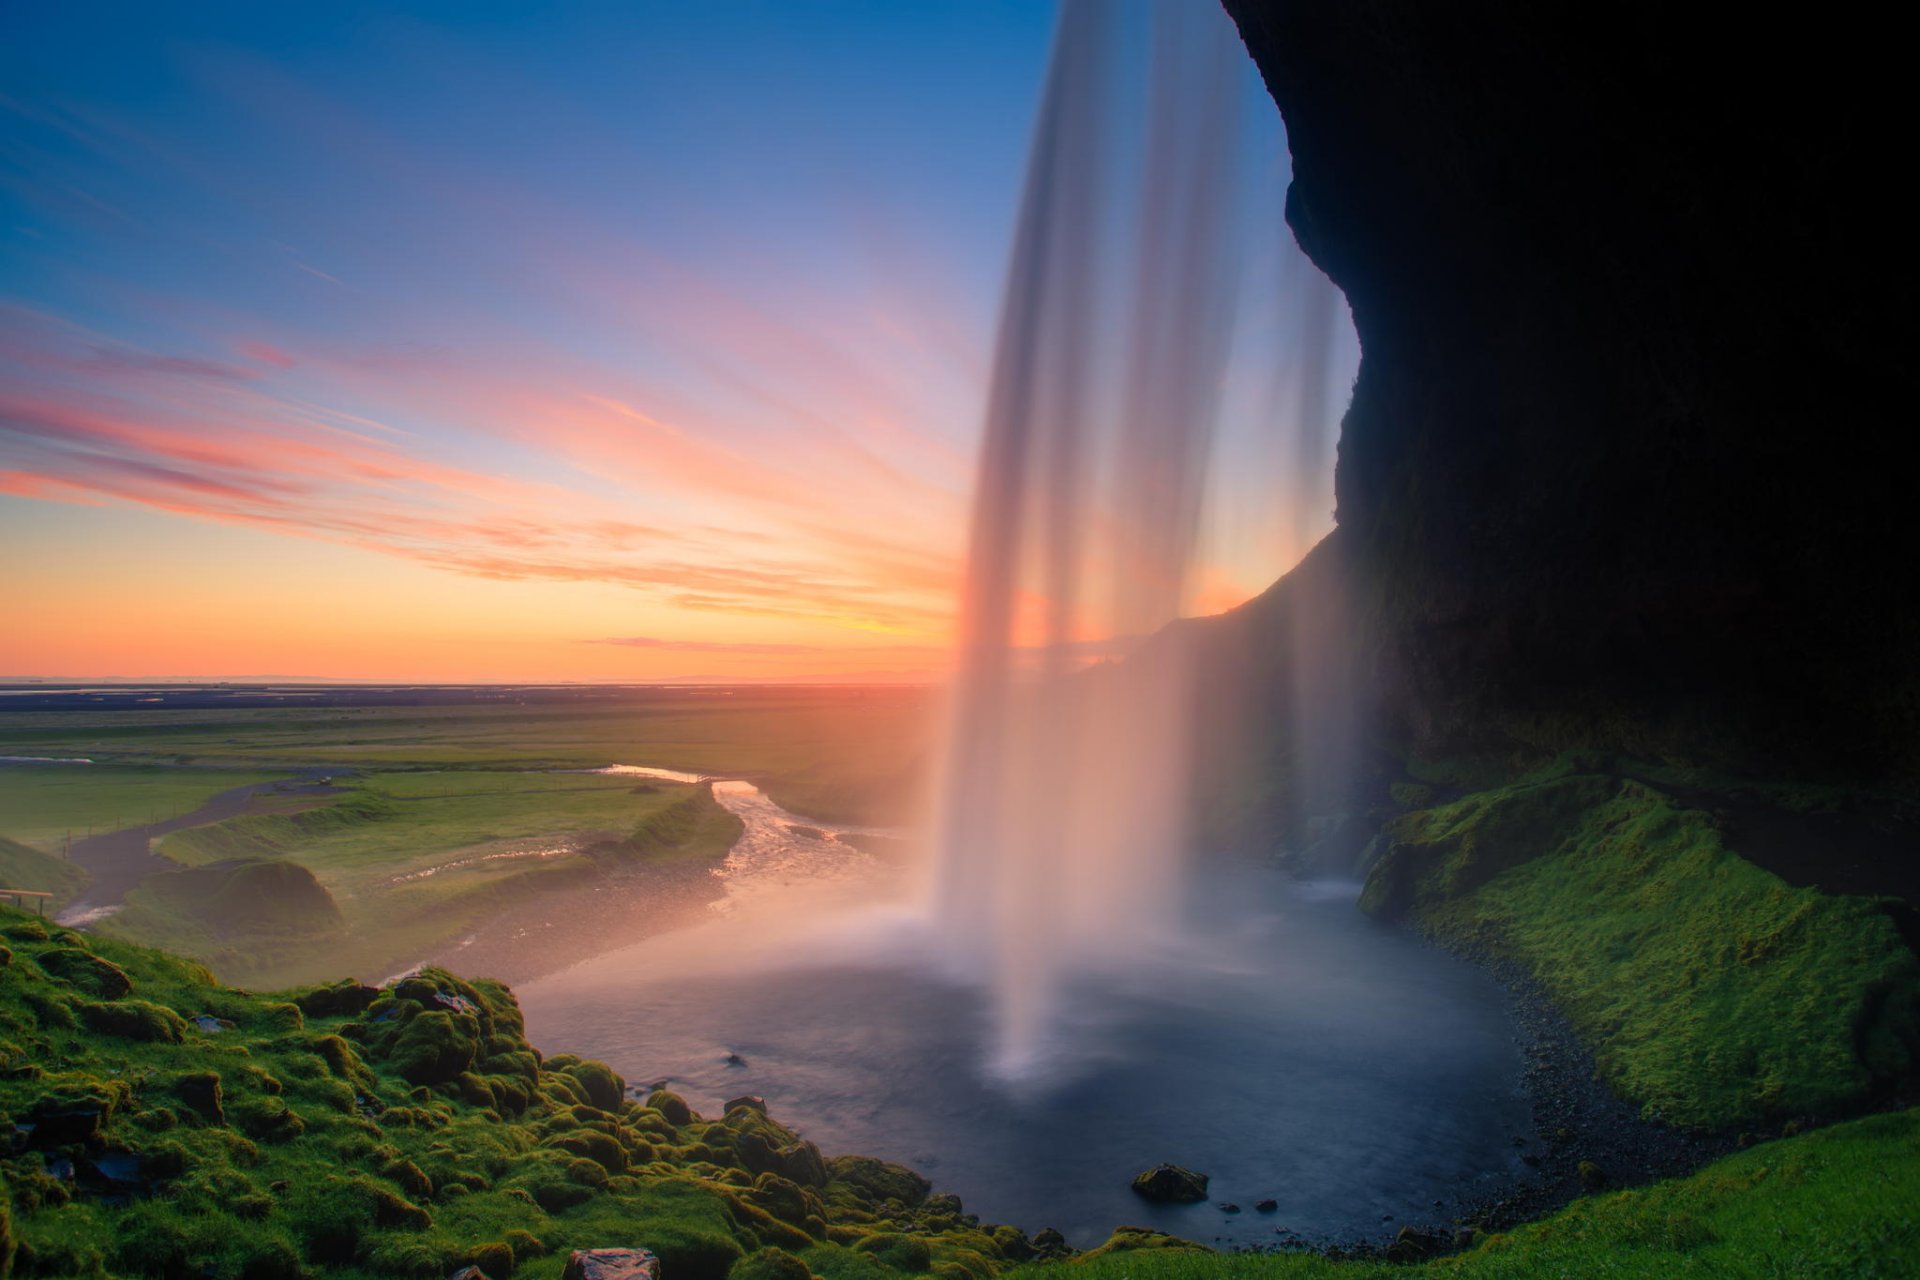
839	755
415	860
41	805
1712	992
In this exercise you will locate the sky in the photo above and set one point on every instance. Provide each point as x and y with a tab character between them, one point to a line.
508	342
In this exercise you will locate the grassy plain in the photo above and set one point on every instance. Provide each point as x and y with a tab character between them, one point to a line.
414	860
41	804
844	755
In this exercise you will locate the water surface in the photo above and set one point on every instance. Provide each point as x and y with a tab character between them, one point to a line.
1302	1053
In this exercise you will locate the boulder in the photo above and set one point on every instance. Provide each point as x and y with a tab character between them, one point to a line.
1171	1184
86	972
611	1264
343	999
672	1106
1050	1244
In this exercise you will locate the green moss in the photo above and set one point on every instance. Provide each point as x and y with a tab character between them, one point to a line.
323	1134
900	1252
879	1180
133	1020
1711	991
769	1264
85	972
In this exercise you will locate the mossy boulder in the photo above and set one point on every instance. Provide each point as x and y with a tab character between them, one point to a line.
343	999
603	1086
1130	1239
769	1264
85	972
672	1106
901	1252
1171	1184
133	1020
879	1180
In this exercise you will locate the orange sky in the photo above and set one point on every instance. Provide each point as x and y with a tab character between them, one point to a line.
378	383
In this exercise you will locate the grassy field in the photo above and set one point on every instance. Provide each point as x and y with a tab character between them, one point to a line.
24	867
447	806
41	804
840	755
411	861
1712	992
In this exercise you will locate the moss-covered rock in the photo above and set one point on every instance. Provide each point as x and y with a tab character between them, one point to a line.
1171	1184
769	1264
901	1252
133	1020
1129	1239
604	1087
84	972
879	1180
671	1106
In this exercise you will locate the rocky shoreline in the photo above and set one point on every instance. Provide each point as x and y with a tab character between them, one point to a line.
1584	1139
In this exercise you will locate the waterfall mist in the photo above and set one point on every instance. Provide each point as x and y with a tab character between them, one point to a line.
1062	823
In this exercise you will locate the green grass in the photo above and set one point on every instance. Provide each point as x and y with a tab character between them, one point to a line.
1842	1202
22	867
1712	992
405	1137
414	860
836	754
40	805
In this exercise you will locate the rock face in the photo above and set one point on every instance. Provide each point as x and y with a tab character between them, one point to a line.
1171	1184
1636	319
611	1264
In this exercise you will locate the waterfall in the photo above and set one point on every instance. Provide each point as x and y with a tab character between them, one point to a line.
1061	826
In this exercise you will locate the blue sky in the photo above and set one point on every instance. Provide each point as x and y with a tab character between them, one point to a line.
527	326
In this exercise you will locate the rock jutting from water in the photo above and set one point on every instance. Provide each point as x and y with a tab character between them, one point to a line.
1171	1184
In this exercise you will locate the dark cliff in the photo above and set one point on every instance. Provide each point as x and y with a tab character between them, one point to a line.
1625	463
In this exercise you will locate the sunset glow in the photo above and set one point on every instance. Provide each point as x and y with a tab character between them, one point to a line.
369	347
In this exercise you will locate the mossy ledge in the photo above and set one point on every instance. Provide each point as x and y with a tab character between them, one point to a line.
166	1125
411	1131
1714	995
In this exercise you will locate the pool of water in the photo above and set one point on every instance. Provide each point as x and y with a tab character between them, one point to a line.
1296	1052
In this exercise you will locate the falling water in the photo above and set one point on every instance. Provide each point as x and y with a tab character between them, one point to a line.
1062	819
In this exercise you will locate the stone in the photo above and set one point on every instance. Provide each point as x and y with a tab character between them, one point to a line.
672	1106
86	972
1266	1206
611	1264
751	1101
1171	1184
1049	1243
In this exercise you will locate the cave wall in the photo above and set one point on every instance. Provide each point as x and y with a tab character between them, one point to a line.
1634	289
